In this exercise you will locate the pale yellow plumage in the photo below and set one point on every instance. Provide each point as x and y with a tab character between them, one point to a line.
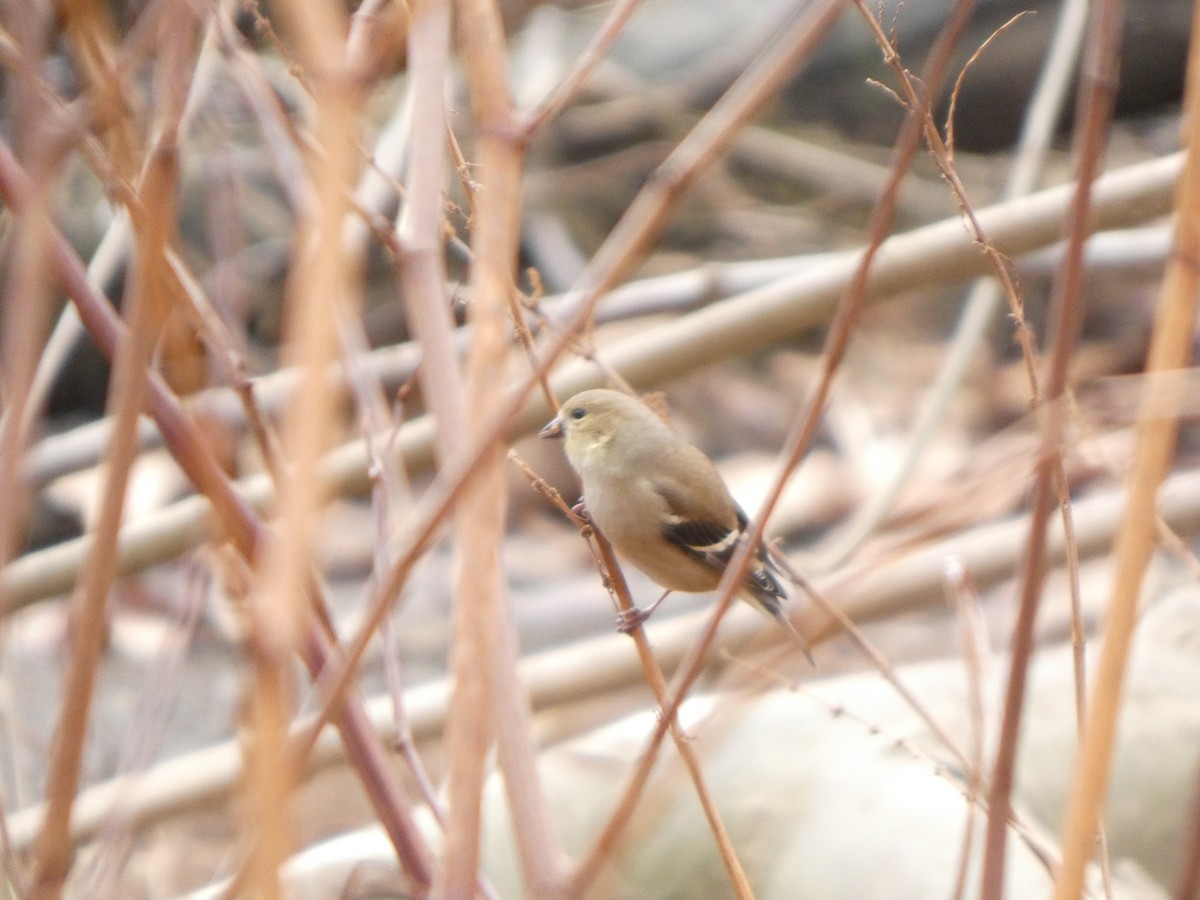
659	500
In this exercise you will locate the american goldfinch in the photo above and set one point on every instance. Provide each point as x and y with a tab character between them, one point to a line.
659	500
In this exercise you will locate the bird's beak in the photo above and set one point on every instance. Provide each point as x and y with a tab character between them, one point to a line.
553	429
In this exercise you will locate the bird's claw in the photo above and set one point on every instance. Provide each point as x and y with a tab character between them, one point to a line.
630	619
581	512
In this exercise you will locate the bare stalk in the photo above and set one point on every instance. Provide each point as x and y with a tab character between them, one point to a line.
323	279
1094	114
981	304
614	579
556	101
235	520
750	321
153	223
1170	347
489	698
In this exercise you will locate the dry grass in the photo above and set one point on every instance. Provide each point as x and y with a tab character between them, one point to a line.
381	154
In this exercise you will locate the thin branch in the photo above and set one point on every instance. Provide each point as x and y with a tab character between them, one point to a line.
980	308
887	588
752	321
1094	115
235	520
554	102
804	428
489	698
1170	347
153	224
625	245
618	587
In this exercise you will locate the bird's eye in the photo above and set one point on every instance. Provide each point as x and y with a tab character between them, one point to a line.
578	412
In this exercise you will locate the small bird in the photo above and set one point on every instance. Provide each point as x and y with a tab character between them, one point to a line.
660	501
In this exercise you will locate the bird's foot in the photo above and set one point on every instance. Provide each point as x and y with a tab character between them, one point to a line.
629	620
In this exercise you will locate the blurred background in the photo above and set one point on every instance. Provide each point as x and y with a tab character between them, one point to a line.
909	511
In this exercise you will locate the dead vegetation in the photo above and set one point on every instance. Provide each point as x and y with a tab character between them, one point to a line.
273	570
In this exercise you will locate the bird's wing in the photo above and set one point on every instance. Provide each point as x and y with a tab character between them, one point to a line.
713	542
701	529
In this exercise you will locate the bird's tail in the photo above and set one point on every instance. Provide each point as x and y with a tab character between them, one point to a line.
765	592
